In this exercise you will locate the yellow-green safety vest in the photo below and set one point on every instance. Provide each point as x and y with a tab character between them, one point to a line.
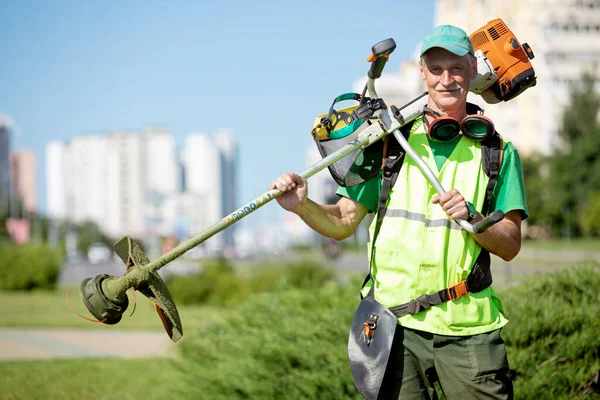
420	250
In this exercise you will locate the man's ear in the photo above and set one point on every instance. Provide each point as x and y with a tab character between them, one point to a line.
474	65
421	69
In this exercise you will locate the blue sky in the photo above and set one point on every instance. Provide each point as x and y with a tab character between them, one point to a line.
261	69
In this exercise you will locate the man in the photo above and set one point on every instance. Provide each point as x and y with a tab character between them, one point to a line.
419	250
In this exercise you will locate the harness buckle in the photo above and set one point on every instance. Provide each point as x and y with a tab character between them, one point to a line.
457	291
370	326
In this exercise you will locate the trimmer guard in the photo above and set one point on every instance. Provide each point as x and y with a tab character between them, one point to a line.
153	288
376	363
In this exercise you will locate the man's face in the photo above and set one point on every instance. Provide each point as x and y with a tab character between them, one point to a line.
447	77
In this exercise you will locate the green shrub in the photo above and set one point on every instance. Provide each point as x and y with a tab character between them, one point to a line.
553	336
303	274
219	283
293	344
216	284
29	267
282	345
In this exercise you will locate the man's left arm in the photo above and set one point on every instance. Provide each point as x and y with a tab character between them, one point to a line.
504	238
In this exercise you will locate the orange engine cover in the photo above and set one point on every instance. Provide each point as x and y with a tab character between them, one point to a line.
509	59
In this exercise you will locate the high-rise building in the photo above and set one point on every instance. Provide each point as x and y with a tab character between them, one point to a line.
224	141
87	180
5	127
97	178
125	181
209	164
58	200
129	183
160	170
160	161
22	178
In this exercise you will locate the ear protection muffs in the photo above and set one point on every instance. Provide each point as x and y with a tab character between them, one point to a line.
443	128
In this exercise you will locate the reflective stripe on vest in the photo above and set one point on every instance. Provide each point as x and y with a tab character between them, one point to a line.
419	250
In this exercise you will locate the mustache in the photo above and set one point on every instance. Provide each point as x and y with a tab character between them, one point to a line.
448	89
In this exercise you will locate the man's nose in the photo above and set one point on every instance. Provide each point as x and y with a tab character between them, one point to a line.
446	78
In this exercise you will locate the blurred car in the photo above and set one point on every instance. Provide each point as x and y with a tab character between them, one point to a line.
99	253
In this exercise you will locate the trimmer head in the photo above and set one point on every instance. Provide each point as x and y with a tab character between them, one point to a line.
100	306
107	301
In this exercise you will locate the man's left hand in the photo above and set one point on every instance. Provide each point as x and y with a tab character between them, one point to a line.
453	203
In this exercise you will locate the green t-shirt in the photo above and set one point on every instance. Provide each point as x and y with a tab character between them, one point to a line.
509	192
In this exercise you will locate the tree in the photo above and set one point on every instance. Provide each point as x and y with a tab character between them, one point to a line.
574	170
589	217
536	185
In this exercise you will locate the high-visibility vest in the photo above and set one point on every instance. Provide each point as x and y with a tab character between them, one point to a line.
420	250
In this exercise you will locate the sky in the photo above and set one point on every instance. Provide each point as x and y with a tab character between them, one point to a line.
262	70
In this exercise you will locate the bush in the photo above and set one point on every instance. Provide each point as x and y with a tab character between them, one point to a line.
293	344
29	267
216	284
552	338
219	284
283	345
303	274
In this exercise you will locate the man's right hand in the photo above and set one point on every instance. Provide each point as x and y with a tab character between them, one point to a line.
295	189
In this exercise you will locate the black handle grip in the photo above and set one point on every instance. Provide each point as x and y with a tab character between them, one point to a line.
488	221
379	57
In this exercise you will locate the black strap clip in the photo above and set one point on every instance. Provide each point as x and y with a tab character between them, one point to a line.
368	109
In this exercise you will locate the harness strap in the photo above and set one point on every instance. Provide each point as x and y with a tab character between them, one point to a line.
492	160
479	279
393	158
491	149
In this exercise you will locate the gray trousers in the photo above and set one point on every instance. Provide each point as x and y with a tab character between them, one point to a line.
464	367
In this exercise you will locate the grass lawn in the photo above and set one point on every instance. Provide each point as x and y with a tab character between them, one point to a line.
578	245
50	309
91	379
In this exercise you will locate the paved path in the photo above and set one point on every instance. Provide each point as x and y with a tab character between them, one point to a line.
23	344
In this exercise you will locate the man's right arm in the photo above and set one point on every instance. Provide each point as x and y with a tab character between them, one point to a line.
337	221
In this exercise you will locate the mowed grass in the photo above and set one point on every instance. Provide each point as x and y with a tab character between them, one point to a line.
576	245
545	255
96	379
50	310
92	378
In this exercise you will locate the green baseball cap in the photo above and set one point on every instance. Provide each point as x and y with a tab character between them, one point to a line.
448	37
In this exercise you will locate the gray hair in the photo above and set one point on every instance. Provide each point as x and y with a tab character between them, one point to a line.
471	58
